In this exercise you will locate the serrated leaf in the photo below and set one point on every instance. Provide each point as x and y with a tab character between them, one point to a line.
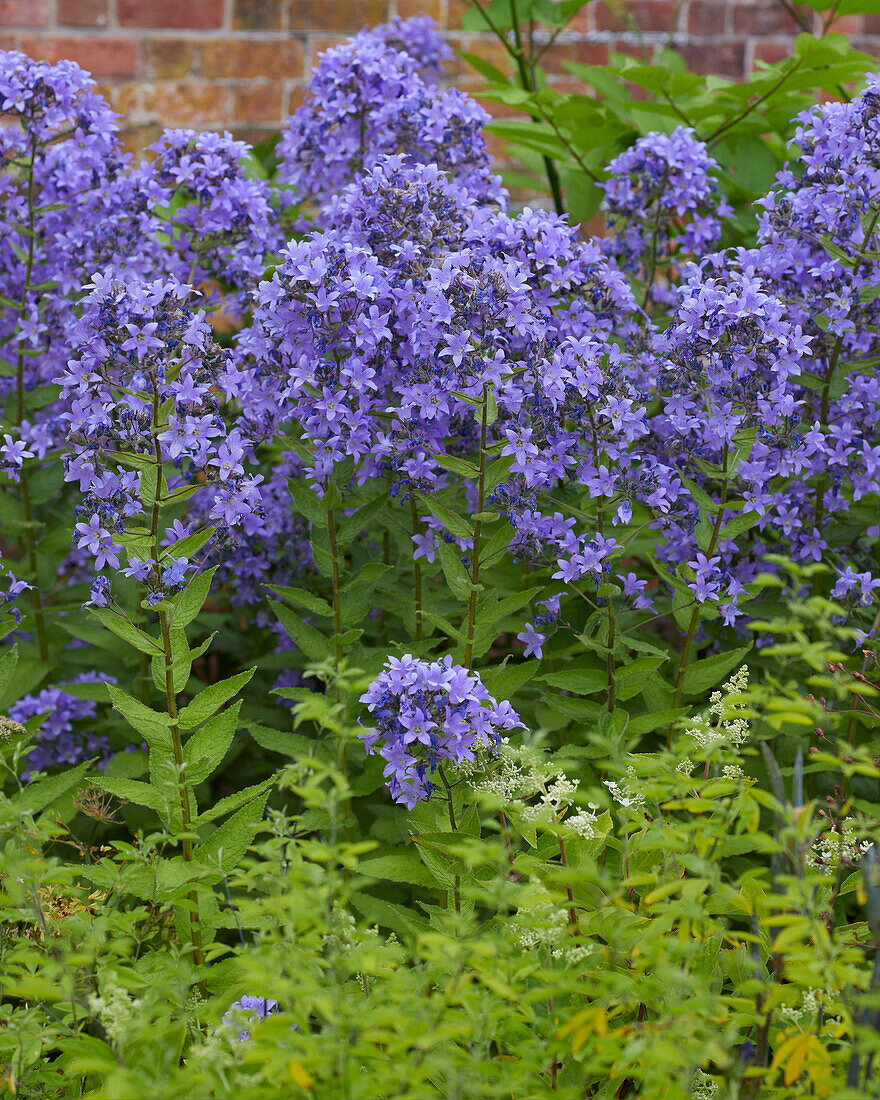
203	753
37	796
453	523
584	681
312	643
191	601
214	696
702	676
130	790
227	844
233	801
316	604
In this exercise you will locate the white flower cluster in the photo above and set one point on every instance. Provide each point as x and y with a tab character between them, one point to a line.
625	794
541	922
577	953
836	846
114	1007
514	772
807	1012
703	1087
724	721
516	775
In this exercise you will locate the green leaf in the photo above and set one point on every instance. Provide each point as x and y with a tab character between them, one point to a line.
191	601
453	569
316	604
403	867
7	667
312	643
229	843
233	801
702	676
584	681
738	525
130	790
181	662
294	745
505	682
204	751
362	519
188	545
134	711
37	796
452	522
207	701
457	466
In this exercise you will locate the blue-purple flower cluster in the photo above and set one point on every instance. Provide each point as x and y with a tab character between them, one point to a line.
142	392
63	736
425	713
373	96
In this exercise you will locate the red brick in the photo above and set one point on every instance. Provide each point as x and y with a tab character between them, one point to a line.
82	13
336	15
167	58
241	59
764	19
257	15
643	15
199	15
174	103
708	17
848	24
253	135
585	53
772	52
102	57
258	102
24	13
872	24
723	59
295	99
407	8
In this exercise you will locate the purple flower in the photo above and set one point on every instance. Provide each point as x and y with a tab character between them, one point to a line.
533	641
426	713
247	1012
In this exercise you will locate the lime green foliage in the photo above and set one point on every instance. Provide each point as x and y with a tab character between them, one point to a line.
702	922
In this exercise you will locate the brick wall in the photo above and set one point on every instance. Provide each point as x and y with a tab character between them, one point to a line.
241	64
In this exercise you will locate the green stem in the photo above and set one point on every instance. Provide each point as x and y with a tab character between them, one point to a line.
478	529
170	695
417	569
695	615
518	56
337	628
454	827
186	815
337	606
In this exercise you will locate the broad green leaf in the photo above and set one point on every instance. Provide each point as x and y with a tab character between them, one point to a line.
214	696
204	751
316	604
453	523
130	790
312	643
583	681
191	601
702	676
233	801
37	796
227	844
